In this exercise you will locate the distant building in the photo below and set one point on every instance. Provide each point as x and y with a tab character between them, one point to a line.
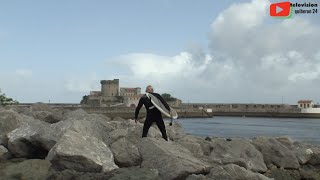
132	101
125	91
109	94
113	95
131	96
305	104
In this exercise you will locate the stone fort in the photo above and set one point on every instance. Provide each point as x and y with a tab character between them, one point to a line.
111	94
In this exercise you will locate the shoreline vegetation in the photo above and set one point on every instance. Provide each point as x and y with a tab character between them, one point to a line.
41	142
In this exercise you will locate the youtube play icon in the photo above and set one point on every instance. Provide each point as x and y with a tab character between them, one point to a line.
281	9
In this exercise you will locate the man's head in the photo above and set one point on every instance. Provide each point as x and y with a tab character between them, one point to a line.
149	89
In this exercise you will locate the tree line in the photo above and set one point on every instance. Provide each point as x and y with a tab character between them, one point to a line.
4	100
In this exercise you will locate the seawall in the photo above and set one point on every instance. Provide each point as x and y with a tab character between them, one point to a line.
196	111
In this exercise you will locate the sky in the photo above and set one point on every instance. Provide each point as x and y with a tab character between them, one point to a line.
205	51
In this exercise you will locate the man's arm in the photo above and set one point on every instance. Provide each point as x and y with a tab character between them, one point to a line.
163	101
138	108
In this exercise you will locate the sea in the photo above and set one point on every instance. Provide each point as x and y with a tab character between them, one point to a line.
299	129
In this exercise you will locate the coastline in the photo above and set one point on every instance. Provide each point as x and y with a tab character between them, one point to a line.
191	111
45	143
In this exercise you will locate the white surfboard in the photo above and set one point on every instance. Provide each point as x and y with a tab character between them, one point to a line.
159	105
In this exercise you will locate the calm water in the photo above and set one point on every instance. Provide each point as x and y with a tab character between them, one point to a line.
307	130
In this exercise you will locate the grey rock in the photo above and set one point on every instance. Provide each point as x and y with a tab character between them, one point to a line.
125	153
315	158
117	134
78	114
299	149
71	174
283	174
81	153
171	159
135	173
10	120
4	154
34	169
119	119
81	114
240	152
198	177
36	138
305	152
310	172
193	147
91	126
41	107
287	141
234	172
192	142
276	153
175	132
22	144
135	133
49	117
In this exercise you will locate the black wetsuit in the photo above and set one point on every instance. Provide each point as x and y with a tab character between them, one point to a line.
153	115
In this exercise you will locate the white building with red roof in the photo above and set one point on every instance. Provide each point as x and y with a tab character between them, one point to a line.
307	106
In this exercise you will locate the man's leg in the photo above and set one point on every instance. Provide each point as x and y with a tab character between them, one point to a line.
147	124
162	128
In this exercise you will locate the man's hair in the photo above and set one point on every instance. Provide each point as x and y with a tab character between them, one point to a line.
147	88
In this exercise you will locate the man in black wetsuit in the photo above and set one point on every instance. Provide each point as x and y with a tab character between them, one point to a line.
153	114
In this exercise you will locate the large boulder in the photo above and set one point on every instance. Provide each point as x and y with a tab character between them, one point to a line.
233	172
36	138
49	117
126	153
35	169
315	158
135	132
91	126
196	145
303	152
240	152
175	132
193	147
81	153
25	110
171	159
10	120
276	153
117	134
22	143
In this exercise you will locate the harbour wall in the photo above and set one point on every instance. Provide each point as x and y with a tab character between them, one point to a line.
197	110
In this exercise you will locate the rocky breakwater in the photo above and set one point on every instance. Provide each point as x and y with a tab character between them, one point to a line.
43	143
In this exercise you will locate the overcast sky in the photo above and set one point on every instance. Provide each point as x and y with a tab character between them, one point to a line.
199	51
